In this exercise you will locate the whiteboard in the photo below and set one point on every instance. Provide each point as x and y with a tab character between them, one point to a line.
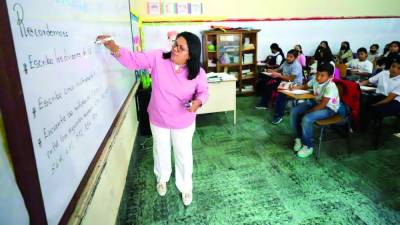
73	89
287	33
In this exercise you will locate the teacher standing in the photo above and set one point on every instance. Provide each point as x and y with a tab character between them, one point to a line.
179	88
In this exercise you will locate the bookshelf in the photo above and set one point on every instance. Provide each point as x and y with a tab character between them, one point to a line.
233	52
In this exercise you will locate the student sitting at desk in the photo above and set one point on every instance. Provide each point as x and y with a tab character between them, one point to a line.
301	58
276	58
322	46
325	56
345	54
392	55
290	70
387	100
325	105
373	54
361	67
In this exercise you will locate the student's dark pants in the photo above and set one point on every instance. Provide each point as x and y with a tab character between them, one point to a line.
280	105
271	84
371	113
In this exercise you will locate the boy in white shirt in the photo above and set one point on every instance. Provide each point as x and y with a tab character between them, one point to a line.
325	105
361	66
387	100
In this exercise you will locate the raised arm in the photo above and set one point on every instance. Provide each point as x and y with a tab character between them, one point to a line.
131	60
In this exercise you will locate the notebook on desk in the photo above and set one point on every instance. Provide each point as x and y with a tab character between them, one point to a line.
218	77
367	88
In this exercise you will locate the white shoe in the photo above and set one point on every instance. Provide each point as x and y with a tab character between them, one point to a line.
162	188
305	152
187	198
297	144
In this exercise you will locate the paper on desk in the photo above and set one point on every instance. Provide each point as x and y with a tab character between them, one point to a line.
298	92
266	73
215	77
367	88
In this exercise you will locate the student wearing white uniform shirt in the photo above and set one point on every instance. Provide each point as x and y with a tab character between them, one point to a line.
361	66
387	100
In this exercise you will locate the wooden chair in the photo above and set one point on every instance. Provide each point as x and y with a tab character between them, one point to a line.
342	69
336	120
331	121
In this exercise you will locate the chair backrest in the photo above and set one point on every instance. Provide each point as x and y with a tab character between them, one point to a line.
350	94
342	70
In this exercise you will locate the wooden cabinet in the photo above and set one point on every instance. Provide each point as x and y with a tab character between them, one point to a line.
233	52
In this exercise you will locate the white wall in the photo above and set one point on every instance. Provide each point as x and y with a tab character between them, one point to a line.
308	33
12	206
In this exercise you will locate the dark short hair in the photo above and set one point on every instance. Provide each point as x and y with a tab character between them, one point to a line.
325	67
293	52
194	45
396	61
375	45
362	50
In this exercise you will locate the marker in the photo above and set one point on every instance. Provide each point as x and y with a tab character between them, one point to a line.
188	105
101	41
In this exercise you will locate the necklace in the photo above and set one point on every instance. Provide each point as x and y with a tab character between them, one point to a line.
177	68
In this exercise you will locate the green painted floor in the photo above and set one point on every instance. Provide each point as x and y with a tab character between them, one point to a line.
247	174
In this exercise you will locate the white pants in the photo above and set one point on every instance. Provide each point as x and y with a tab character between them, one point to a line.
181	140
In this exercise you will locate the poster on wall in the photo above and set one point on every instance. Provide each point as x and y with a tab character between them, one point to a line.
154	8
182	8
196	8
169	8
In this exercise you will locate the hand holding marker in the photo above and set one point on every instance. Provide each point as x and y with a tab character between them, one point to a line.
103	40
109	43
188	105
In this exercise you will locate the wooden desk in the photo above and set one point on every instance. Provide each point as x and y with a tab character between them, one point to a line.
222	97
297	96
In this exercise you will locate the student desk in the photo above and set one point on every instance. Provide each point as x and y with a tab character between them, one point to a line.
350	75
261	66
222	96
297	96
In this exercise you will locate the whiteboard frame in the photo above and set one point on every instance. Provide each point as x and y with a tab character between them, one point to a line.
12	105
